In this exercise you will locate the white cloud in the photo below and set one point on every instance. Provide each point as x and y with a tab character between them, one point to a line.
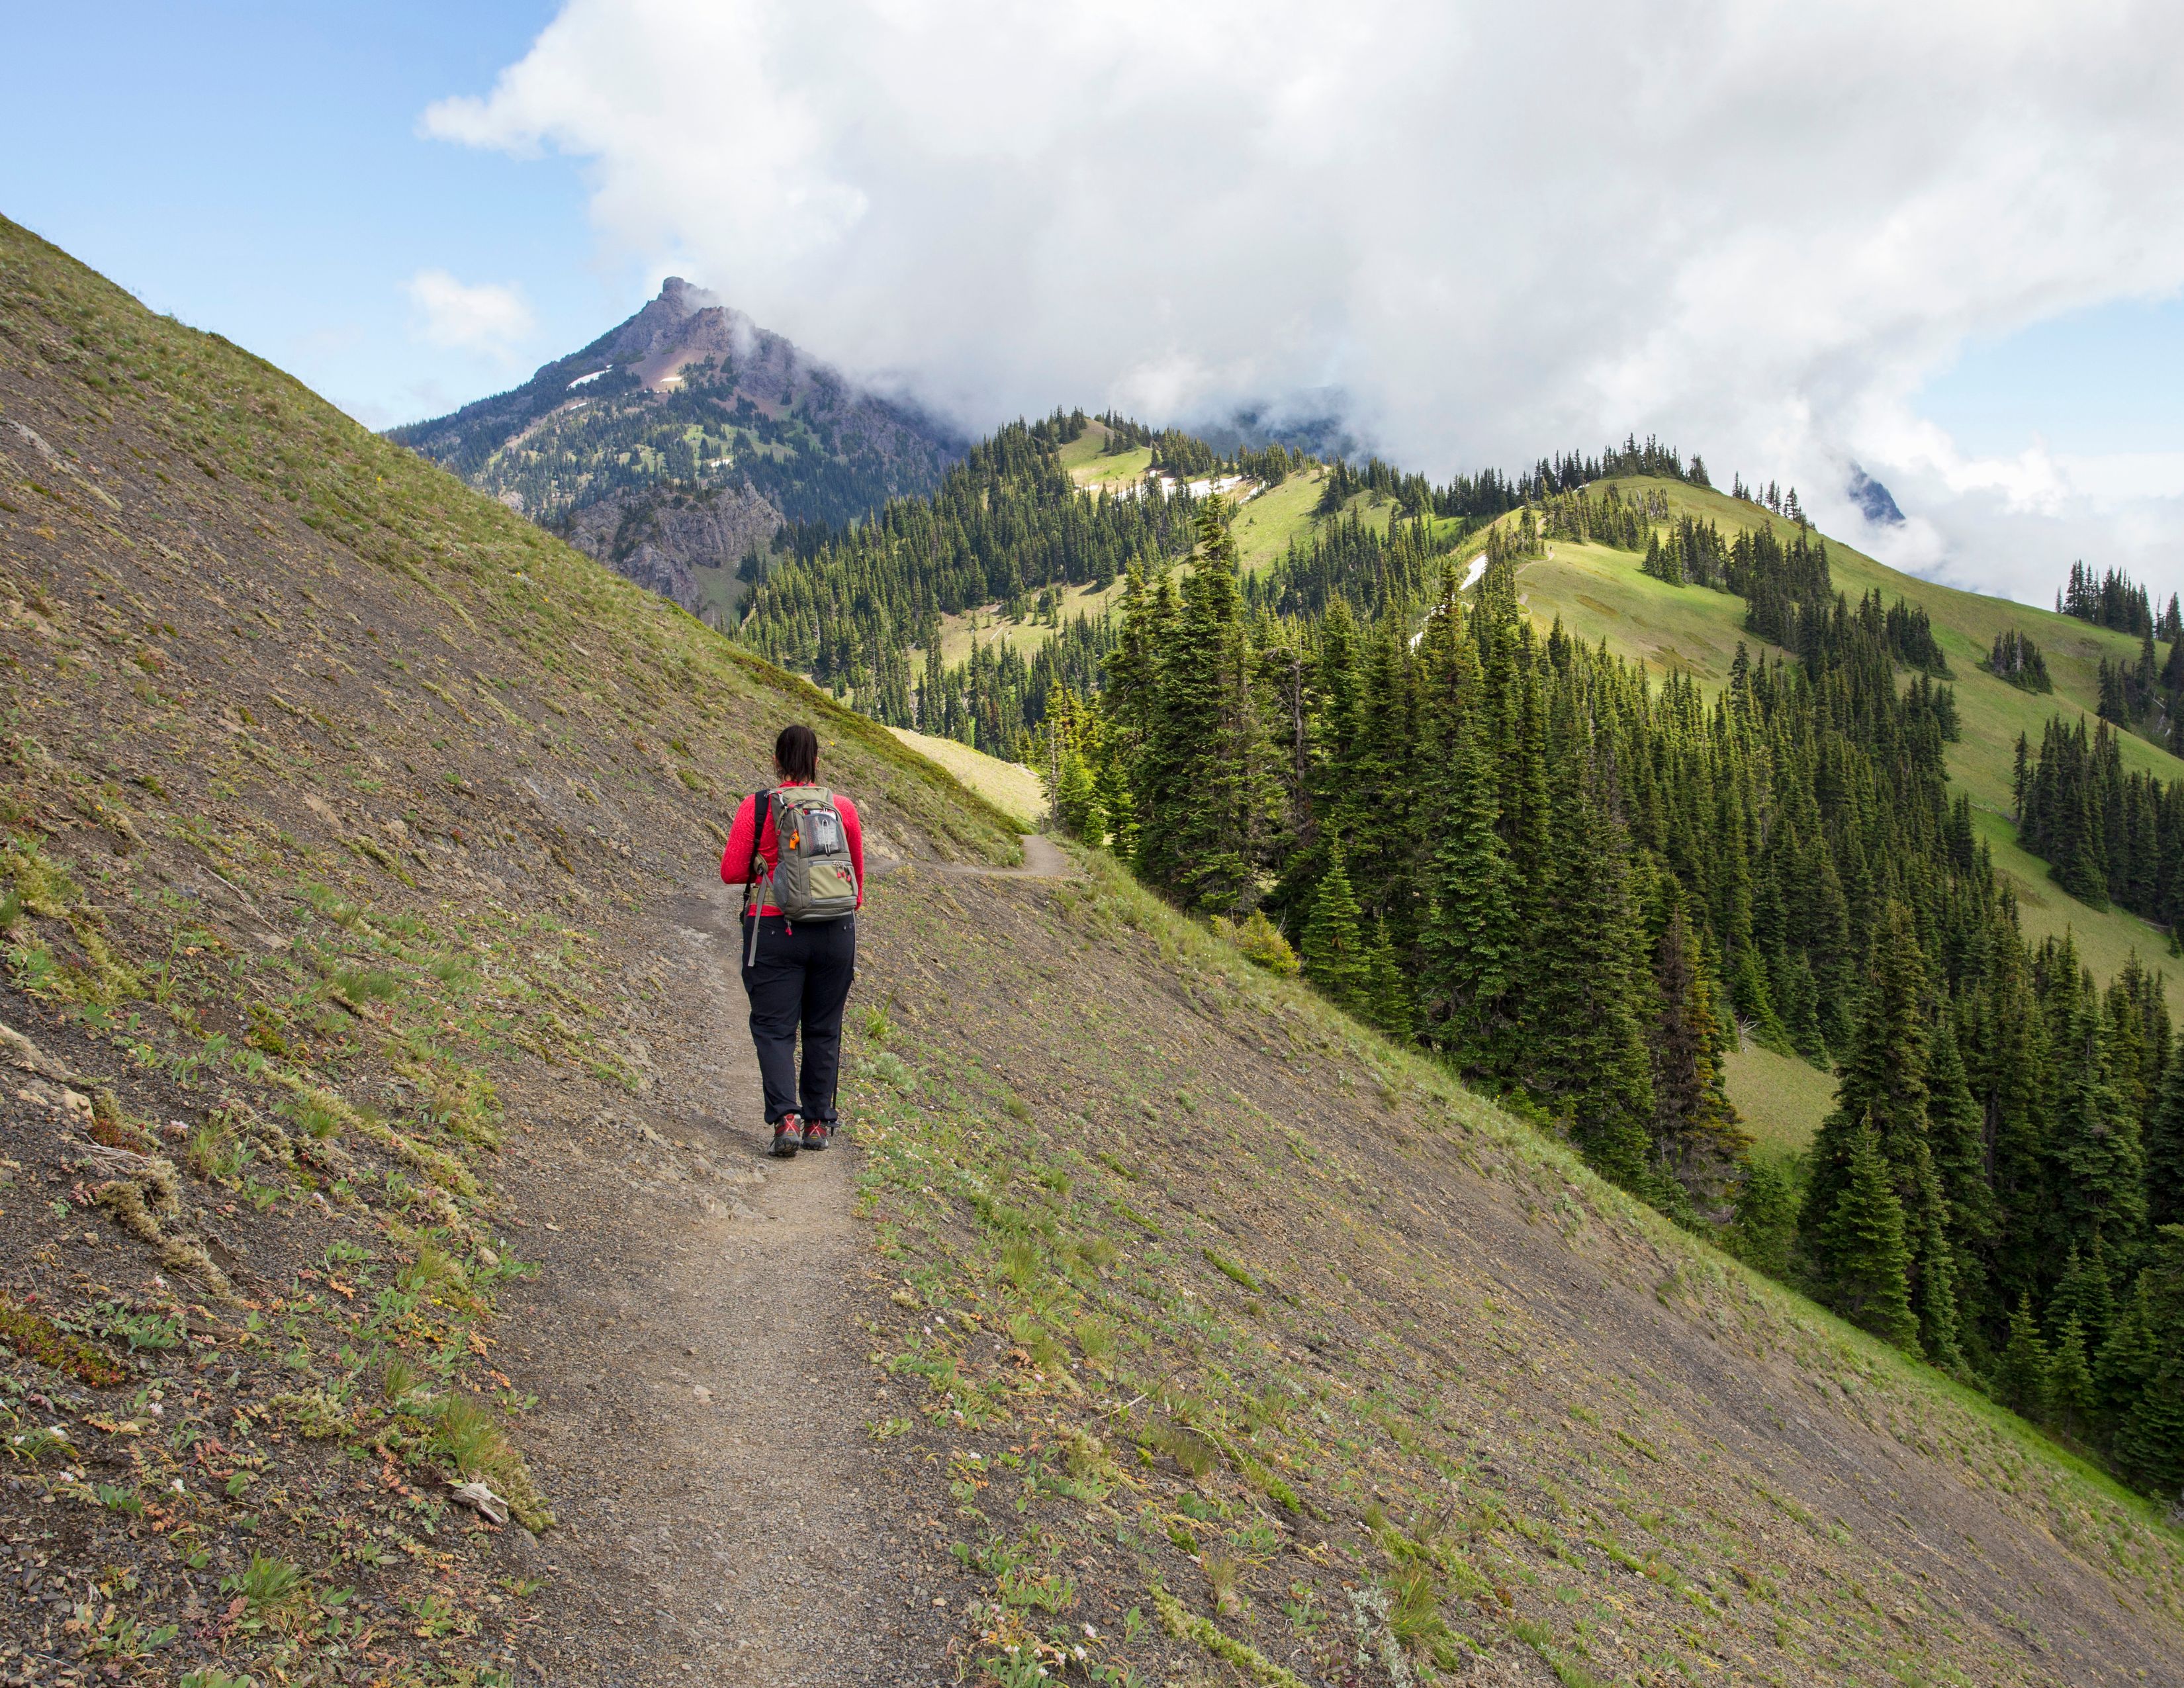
489	318
1752	225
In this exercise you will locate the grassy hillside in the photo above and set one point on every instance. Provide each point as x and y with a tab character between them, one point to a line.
1267	523
1091	465
1782	1099
1601	593
333	800
960	633
1244	1335
1642	616
1010	787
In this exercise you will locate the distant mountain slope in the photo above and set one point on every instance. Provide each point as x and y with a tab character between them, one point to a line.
682	439
968	628
1600	593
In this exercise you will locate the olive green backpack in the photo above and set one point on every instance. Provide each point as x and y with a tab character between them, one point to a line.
814	880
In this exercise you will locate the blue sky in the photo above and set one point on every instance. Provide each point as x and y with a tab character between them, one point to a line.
257	169
2109	379
1173	212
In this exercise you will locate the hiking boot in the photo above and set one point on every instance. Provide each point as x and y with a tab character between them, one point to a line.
786	1137
816	1133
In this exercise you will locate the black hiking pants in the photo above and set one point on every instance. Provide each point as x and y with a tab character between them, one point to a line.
801	978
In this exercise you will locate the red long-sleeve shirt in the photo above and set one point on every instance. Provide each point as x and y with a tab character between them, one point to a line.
735	859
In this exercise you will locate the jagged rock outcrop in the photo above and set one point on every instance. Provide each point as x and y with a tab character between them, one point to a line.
658	535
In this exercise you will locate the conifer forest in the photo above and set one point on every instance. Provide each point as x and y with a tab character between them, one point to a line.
1580	884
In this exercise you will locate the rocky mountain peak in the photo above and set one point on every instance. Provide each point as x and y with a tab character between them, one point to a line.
671	317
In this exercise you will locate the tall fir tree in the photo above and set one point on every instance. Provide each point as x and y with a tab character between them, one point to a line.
2084	1295
2025	1371
2149	1441
1698	1144
2096	1167
1883	1090
1390	1002
1333	952
2163	1151
1586	1000
1205	788
1862	1241
1470	942
1956	1135
2073	1402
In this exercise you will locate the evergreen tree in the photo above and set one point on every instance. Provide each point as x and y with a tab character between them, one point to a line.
1075	800
1388	1002
1698	1142
2085	1297
1867	1266
2025	1372
1766	1219
2125	1363
2163	1151
2149	1441
1333	952
2097	1168
1883	1092
1957	1141
1072	795
1585	1004
2072	1400
1470	940
1206	771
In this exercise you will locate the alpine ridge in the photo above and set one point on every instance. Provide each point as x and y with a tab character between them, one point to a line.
678	444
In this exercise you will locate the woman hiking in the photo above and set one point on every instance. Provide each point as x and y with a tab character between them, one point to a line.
800	848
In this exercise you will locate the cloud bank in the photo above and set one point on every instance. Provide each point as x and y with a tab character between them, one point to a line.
488	318
1499	231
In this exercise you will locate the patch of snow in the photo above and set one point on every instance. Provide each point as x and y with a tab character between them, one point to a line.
1471	574
1168	487
582	378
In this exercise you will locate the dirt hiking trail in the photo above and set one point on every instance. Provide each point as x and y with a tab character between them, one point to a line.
706	1392
1042	858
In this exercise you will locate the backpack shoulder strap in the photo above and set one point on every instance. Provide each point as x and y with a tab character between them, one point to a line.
759	808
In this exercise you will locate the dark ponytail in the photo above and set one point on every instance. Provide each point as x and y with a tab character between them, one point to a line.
796	754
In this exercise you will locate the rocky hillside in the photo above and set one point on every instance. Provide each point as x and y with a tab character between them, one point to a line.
388	1293
682	440
1241	1330
332	798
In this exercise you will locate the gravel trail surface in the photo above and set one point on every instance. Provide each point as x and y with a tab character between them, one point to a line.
703	1395
705	1391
